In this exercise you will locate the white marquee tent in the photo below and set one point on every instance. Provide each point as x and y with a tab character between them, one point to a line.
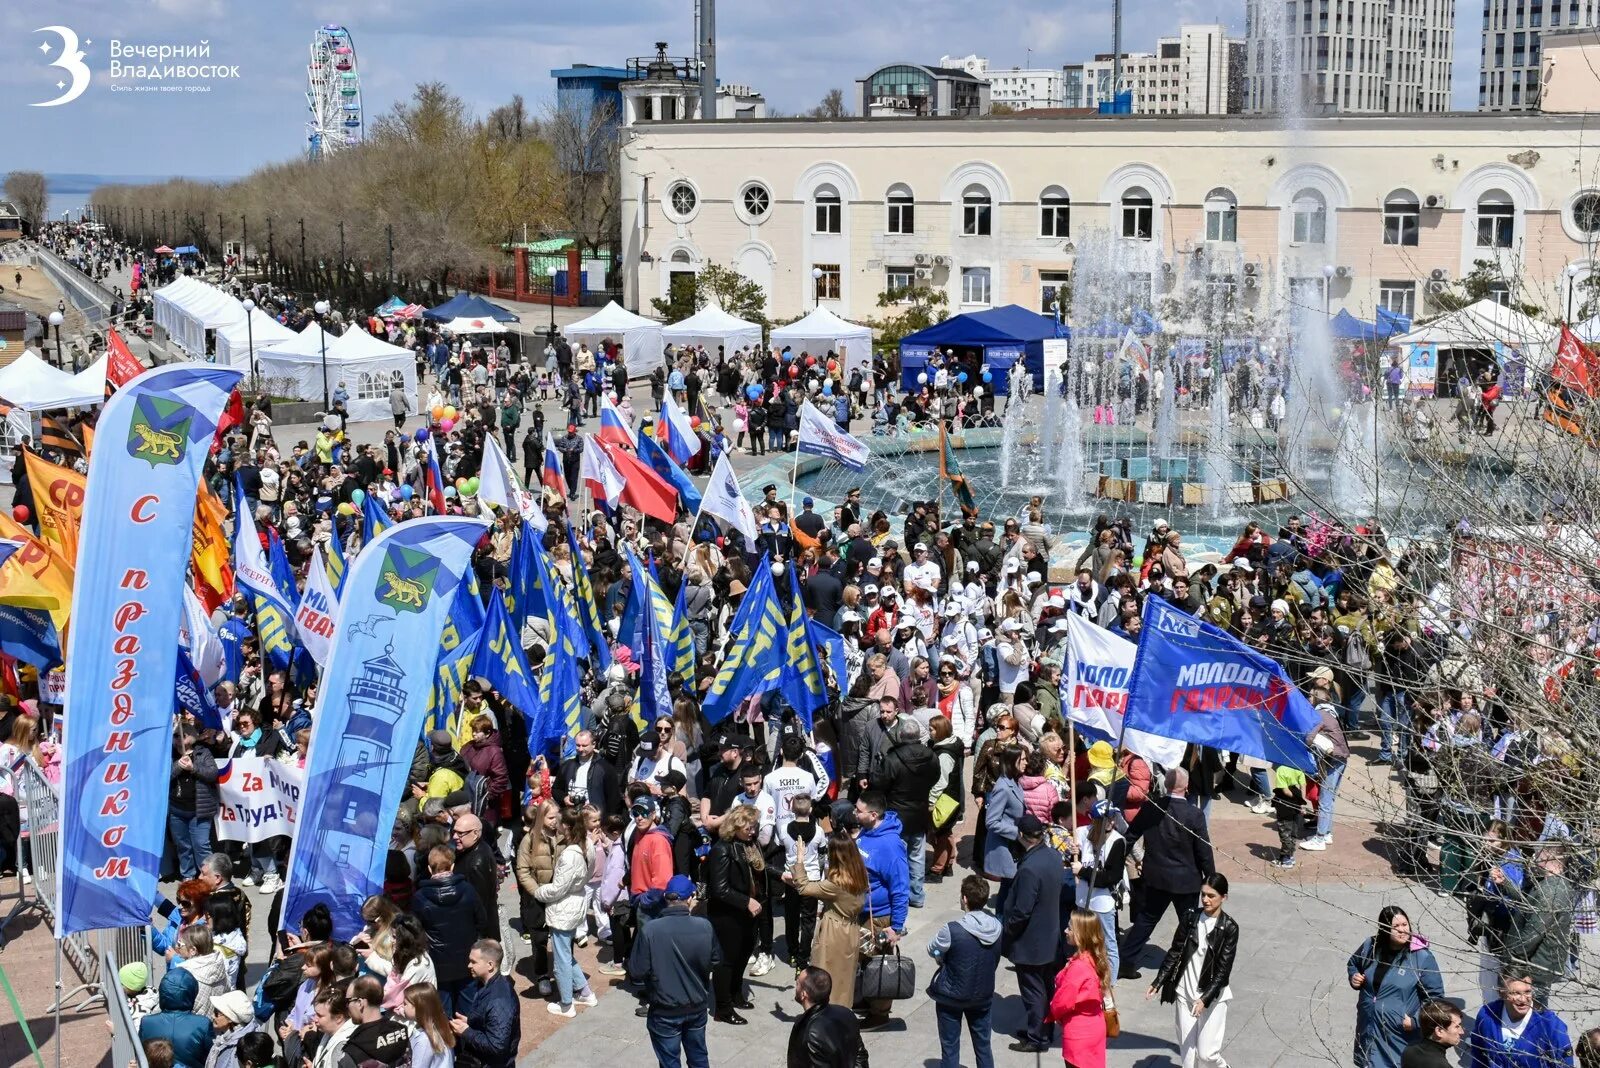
32	385
234	340
368	367
710	327
188	309
640	337
822	332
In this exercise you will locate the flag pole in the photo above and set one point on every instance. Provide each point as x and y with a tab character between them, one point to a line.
794	481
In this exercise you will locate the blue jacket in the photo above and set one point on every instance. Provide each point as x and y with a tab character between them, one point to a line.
191	1035
494	1026
968	951
1033	908
1001	811
888	871
1543	1044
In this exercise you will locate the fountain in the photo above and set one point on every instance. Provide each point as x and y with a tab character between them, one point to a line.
1218	449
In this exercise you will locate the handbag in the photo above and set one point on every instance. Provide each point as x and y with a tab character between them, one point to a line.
1113	1021
943	809
884	976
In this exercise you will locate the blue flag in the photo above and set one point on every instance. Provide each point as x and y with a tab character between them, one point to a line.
253	572
829	644
376	516
192	695
641	632
369	713
282	571
756	661
458	644
588	608
500	659
29	635
336	557
654	455
1194	682
801	681
681	637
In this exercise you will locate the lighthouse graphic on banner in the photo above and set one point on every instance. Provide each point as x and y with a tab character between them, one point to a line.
376	702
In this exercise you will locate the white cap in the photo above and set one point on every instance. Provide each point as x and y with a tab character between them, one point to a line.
869	590
919	548
1242	564
951	608
985	634
1056	601
876	561
906	623
1010	625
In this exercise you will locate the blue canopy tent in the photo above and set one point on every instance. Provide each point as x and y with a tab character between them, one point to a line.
470	306
390	306
1005	335
1347	327
186	250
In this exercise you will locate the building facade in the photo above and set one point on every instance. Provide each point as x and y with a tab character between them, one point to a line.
1509	75
1198	72
1571	77
1017	88
915	91
1349	56
1380	210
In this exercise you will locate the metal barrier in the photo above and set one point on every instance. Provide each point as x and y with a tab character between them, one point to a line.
126	1049
19	900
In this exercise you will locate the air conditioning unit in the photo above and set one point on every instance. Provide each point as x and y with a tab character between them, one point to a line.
1344	272
1439	274
941	261
1434	201
923	274
1251	269
1252	281
1438	287
922	259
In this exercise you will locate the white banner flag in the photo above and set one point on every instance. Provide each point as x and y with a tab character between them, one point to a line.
498	485
259	799
820	436
318	606
1094	690
723	500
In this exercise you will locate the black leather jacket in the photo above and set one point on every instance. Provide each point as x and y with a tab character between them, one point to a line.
825	1036
1218	966
728	879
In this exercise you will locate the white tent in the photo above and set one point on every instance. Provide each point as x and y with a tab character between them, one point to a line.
640	337
234	341
821	332
1484	327
368	367
307	342
710	327
188	308
33	385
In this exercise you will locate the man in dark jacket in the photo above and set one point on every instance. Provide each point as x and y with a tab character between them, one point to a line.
909	772
377	1038
452	914
190	1034
673	958
1033	912
588	778
475	862
570	446
825	1035
1177	855
968	951
488	1034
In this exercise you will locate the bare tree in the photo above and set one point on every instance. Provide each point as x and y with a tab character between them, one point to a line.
832	106
29	194
586	155
511	122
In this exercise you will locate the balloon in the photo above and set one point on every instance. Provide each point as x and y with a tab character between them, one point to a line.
448	425
752	392
922	379
450	492
777	568
962	378
422	435
406	493
988	376
438	412
472	486
20	513
833	365
347	508
827	389
461	483
394	494
794	372
358	496
694	422
977	391
450	412
811	361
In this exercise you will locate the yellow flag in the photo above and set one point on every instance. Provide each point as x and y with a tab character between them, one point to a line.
210	552
58	500
35	576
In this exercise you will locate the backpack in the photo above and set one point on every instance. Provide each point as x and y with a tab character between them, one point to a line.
478	793
1356	653
278	987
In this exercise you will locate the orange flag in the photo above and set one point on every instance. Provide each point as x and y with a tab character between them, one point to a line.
58	500
35	576
88	440
209	555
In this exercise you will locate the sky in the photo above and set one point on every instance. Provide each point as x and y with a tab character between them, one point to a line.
487	51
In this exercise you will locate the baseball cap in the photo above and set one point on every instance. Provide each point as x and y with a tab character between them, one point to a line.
1030	825
869	590
951	608
1100	809
645	806
675	779
919	548
876	561
680	887
807	502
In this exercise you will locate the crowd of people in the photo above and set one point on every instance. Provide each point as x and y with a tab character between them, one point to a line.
675	842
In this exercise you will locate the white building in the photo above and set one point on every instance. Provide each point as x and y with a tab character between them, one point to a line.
1374	210
1198	72
1357	56
1017	88
1509	73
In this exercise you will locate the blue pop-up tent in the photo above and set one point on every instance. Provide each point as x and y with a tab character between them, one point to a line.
1347	327
1006	335
470	306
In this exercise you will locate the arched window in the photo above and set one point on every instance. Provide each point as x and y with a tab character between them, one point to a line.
1222	216
682	256
1310	213
1138	213
976	207
830	210
682	199
1497	219
1055	213
902	210
1401	212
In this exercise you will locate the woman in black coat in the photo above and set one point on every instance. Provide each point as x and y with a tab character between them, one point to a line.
1199	989
732	869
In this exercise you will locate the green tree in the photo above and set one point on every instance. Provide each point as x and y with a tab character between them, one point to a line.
916	308
1484	281
722	286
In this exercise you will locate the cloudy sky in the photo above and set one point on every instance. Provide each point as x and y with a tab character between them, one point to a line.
487	51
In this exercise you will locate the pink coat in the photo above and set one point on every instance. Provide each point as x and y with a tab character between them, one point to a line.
1039	796
1079	1008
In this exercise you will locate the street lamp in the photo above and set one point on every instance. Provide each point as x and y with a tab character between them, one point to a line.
249	307
1573	271
816	287
56	319
1327	288
321	309
552	271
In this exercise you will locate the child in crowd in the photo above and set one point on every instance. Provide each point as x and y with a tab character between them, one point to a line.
1288	807
802	842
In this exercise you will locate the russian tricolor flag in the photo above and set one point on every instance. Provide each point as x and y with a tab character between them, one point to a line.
552	477
676	433
613	428
435	479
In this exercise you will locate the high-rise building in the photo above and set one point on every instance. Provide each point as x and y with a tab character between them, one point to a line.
1198	72
1361	56
1509	74
1018	88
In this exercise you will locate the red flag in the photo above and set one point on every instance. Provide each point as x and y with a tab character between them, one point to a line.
122	366
232	414
1575	366
642	487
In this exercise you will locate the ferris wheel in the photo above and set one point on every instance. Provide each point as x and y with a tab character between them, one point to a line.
333	93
